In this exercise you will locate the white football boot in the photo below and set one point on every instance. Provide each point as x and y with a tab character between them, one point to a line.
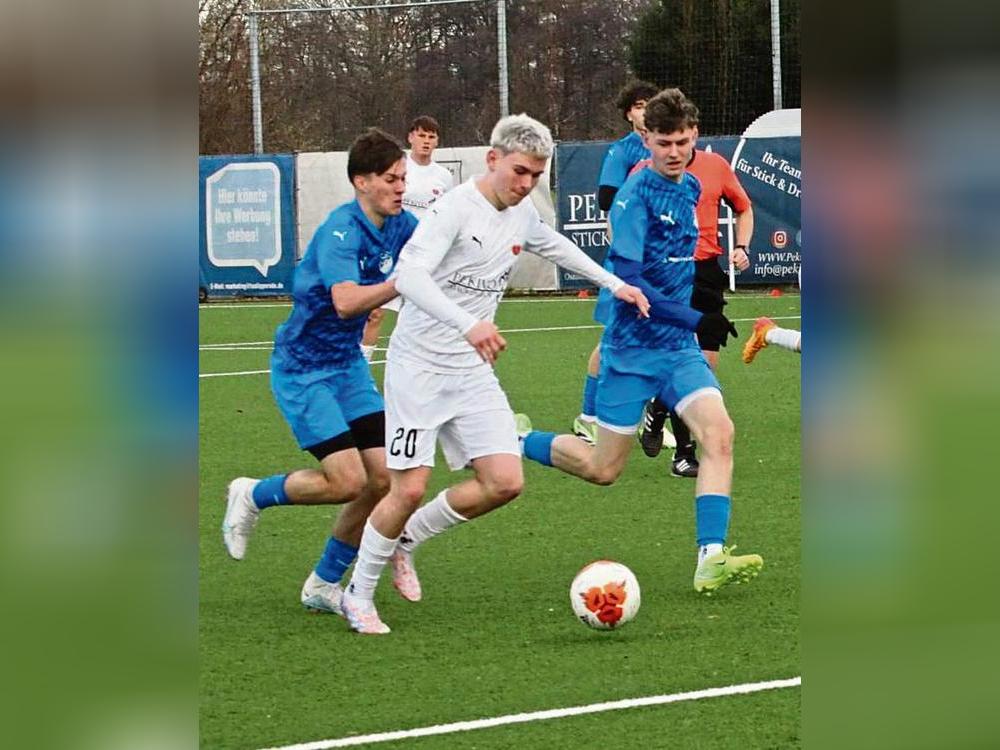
241	516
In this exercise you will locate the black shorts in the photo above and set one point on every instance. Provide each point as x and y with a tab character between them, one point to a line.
364	433
709	282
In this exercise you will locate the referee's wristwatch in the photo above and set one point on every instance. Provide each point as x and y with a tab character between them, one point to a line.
740	247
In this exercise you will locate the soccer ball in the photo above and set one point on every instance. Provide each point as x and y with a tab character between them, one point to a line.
605	595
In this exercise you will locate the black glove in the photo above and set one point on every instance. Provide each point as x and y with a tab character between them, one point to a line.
717	327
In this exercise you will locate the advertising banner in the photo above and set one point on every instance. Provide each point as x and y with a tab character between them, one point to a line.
247	228
767	168
770	170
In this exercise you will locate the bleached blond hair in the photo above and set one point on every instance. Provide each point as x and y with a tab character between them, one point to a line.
522	134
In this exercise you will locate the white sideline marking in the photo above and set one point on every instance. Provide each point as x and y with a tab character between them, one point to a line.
556	713
251	345
224	374
260	372
237	305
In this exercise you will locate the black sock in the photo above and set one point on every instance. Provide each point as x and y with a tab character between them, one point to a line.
683	436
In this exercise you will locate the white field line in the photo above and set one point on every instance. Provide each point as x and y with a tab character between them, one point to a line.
556	713
593	298
266	345
261	372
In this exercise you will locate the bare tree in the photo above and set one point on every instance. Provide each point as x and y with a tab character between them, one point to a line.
325	76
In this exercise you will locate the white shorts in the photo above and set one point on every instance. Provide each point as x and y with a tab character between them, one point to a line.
468	412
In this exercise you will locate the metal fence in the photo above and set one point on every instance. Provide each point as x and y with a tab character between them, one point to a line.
308	78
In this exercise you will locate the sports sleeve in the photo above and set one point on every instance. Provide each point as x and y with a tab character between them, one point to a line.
732	190
337	248
660	307
614	169
546	242
629	219
434	236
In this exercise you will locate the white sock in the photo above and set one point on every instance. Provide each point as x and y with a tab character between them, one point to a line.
432	519
373	554
707	550
785	338
367	350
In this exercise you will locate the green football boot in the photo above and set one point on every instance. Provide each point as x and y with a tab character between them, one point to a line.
724	567
522	425
586	431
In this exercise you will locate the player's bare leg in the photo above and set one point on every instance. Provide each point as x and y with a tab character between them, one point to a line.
711	426
601	464
350	522
707	417
340	479
499	479
378	542
322	591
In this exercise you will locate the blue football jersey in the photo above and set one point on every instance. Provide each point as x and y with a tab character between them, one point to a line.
346	247
653	221
622	155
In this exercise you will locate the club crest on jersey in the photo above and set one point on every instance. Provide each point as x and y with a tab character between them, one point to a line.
516	249
385	263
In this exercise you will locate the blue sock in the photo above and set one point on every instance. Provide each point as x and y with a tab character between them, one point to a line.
538	446
336	559
270	491
590	396
711	514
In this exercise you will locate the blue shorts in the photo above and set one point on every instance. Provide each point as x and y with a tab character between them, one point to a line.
605	306
318	405
630	377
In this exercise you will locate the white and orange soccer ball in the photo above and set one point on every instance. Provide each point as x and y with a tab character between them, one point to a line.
605	595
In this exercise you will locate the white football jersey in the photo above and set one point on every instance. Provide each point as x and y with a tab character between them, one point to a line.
469	247
424	185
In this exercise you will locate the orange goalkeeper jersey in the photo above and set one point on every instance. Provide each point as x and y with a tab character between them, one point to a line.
718	181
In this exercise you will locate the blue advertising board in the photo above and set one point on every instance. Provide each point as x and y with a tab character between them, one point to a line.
767	168
770	170
247	232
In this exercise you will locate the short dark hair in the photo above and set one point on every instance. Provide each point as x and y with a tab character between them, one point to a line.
670	111
425	122
632	92
373	152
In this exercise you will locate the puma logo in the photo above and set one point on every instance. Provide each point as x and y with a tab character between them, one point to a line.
477	241
668	218
339	235
623	204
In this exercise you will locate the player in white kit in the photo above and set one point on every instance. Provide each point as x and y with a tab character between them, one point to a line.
426	181
439	382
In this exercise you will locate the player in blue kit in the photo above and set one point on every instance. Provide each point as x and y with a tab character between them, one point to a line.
629	150
654	232
621	157
320	379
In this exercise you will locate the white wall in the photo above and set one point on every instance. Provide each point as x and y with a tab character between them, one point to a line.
322	186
